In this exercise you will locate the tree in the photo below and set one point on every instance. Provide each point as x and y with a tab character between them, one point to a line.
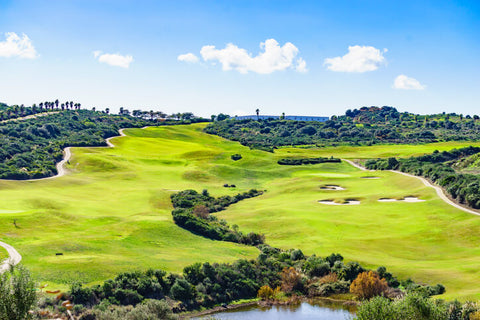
258	113
17	294
368	285
290	279
182	290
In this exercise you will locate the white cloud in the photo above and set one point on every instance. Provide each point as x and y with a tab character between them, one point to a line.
188	57
113	59
405	83
358	59
301	66
15	46
273	58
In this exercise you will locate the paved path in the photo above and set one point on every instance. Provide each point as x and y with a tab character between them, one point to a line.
13	259
440	192
43	114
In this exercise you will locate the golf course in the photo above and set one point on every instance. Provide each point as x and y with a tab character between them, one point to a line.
111	212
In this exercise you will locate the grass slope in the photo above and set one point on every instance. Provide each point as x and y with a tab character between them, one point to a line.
112	213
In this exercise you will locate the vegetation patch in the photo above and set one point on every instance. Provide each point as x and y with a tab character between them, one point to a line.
236	156
193	212
289	272
297	162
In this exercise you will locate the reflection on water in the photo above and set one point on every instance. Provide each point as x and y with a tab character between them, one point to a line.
319	310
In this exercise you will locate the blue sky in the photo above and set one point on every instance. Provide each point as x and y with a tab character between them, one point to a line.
434	46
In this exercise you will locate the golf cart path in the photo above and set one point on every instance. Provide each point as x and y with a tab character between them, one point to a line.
67	154
13	257
439	190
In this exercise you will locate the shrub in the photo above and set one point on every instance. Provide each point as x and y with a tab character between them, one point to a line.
290	279
265	293
17	294
367	285
236	157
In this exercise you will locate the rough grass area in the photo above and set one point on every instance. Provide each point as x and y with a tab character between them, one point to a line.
112	212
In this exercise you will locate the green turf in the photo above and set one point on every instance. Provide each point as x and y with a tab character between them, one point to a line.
112	213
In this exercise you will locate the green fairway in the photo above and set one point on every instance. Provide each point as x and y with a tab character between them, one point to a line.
112	212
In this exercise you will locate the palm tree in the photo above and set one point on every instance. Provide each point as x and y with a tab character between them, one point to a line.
56	103
257	112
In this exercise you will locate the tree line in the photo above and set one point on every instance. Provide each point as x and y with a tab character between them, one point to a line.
300	161
206	285
192	211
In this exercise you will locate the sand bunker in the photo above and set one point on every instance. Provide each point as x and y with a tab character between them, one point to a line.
347	202
370	177
406	199
331	187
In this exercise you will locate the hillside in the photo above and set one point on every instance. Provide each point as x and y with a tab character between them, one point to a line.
114	208
32	145
366	126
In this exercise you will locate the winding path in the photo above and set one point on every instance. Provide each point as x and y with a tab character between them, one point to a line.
13	259
440	192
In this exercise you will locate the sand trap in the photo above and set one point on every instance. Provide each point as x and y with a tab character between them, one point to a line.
412	199
387	200
369	177
406	199
346	203
331	187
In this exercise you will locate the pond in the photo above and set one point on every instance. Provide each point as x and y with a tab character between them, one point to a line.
319	310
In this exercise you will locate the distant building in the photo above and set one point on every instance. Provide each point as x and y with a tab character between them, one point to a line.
297	118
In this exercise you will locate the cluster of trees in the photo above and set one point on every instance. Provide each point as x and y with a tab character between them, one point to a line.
16	111
159	115
464	188
416	306
192	211
300	161
366	126
206	285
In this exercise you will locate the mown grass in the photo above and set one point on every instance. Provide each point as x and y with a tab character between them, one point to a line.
112	213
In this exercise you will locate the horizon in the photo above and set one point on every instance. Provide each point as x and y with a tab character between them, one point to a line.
213	57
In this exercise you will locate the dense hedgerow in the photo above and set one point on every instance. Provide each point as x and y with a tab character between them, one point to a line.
300	161
192	212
